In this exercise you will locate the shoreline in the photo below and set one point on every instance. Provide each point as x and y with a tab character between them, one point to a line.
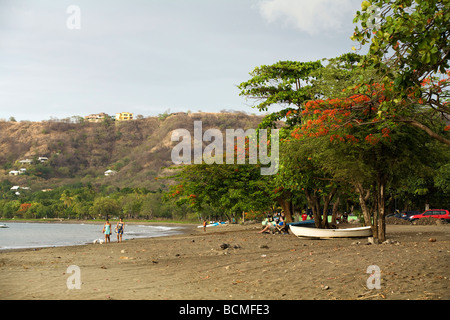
234	262
72	221
183	228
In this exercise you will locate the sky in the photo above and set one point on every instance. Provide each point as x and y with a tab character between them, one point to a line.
67	58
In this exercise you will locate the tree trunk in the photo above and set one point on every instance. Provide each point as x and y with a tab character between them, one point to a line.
326	203
313	203
363	202
320	221
335	209
381	221
286	206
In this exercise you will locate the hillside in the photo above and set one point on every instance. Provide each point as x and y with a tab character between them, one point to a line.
137	150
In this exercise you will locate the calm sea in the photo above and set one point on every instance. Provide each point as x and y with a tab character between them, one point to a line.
20	235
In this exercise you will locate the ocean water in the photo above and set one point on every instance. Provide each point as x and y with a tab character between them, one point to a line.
21	235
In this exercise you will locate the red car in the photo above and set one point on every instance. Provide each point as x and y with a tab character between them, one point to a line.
432	213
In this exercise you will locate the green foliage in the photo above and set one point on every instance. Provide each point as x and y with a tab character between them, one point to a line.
285	83
409	45
80	201
416	32
227	189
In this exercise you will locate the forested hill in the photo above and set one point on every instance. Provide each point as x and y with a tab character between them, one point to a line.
137	150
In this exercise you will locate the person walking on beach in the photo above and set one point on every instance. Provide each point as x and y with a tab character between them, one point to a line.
107	231
204	225
119	229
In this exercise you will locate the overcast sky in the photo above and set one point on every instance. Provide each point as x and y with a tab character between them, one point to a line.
148	56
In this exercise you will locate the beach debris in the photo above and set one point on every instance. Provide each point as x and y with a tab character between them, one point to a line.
224	246
432	240
263	246
122	251
389	241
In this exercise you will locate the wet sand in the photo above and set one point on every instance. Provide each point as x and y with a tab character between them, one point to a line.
197	265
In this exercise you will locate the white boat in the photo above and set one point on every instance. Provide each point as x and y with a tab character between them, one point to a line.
304	232
3	226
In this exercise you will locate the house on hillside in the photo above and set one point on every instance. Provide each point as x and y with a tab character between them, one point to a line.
42	159
96	117
17	172
26	161
124	116
110	172
16	189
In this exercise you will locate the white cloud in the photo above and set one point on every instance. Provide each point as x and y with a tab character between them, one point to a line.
311	16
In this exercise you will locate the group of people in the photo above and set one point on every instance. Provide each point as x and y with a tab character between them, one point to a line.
273	223
119	230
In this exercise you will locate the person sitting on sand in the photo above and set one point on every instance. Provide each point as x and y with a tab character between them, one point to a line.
345	217
119	229
107	231
268	226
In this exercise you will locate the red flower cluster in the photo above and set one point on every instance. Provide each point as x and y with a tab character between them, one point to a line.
324	116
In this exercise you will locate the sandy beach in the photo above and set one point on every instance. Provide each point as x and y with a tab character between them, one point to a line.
236	262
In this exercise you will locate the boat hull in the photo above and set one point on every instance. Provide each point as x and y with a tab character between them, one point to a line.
306	223
304	232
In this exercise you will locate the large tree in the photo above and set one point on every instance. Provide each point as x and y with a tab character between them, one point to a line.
410	50
285	84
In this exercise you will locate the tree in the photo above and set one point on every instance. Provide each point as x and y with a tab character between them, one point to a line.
105	206
301	172
231	189
409	45
368	156
285	83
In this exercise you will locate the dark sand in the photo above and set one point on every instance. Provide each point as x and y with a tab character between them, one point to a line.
414	265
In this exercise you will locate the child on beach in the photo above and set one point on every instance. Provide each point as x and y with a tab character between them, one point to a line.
119	229
107	231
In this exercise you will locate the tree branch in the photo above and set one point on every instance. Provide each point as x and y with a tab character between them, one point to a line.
423	127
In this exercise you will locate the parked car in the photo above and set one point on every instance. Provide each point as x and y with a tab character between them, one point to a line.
407	214
432	213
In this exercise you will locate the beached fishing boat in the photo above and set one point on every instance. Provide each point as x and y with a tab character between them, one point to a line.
306	223
304	232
